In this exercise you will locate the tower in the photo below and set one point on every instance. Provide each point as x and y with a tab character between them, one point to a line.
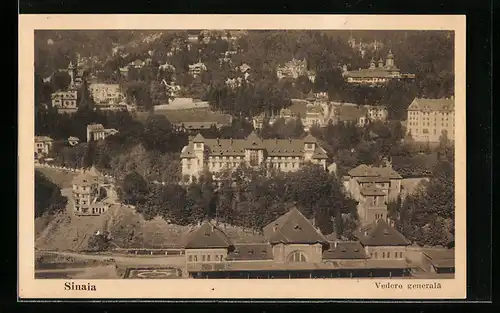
71	72
372	64
390	59
380	63
199	152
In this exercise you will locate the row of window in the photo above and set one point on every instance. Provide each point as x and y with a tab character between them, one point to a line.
429	113
379	216
424	131
206	258
386	255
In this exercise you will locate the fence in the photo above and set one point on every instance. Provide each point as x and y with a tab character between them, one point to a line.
67	169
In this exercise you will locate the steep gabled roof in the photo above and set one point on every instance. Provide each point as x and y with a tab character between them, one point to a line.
198	138
310	139
320	154
293	227
254	141
207	236
379	233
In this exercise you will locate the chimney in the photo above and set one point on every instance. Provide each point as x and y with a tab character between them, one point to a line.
336	244
218	141
231	140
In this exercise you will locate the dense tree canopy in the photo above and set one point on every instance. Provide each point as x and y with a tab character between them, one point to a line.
48	198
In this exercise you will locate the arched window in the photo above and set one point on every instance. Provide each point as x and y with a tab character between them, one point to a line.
297	256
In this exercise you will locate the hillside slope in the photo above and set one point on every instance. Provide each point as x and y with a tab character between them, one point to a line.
67	232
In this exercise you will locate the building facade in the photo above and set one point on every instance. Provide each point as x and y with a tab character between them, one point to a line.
376	74
295	68
373	188
43	144
106	93
382	241
98	132
86	193
295	248
65	101
430	119
216	155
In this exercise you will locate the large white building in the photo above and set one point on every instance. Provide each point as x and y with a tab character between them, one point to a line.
106	93
216	155
86	193
429	119
376	75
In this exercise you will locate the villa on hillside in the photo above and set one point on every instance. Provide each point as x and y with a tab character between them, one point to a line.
295	248
98	132
384	179
65	101
87	188
43	144
373	188
376	75
106	93
295	68
219	154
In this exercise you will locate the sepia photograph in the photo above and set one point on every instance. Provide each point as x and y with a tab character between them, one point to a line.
235	155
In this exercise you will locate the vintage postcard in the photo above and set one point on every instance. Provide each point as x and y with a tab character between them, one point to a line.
242	156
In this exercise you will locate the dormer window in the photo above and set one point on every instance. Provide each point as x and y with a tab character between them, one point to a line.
309	146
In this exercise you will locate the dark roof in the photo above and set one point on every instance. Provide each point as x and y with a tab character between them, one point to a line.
371	190
251	252
319	154
364	170
293	227
445	105
379	233
253	141
236	147
207	236
345	250
371	73
198	138
440	258
198	125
